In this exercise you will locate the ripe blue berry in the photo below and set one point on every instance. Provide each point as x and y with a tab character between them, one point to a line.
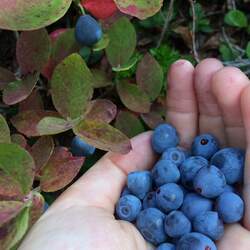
169	197
139	183
166	246
230	207
209	182
149	200
128	207
205	145
150	222
80	148
194	204
189	168
209	224
45	206
177	224
176	154
231	162
87	31
229	188
195	241
165	171
164	136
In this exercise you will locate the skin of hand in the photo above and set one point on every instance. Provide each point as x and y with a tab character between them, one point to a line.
209	98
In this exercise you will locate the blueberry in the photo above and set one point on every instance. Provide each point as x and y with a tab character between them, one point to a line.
231	162
195	241
164	136
87	31
149	200
139	183
209	182
230	207
80	148
150	223
125	191
176	154
128	207
166	246
189	168
194	204
205	145
177	224
169	197
45	206
165	171
210	224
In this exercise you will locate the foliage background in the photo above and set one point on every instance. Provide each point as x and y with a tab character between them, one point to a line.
128	91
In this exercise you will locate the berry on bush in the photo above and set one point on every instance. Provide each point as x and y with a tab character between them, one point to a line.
80	148
178	195
87	31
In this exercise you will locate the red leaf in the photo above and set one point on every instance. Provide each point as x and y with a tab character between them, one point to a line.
60	170
26	122
36	208
34	102
33	50
101	109
100	9
19	90
5	77
41	151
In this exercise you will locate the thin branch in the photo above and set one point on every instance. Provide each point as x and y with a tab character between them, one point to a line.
166	24
238	63
195	52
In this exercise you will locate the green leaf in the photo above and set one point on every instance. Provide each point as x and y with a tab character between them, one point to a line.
133	97
17	165
71	86
53	126
139	8
6	77
122	43
4	131
226	53
33	50
31	14
236	18
19	90
14	222
41	152
149	76
248	50
26	121
100	79
102	110
102	136
129	124
60	170
102	44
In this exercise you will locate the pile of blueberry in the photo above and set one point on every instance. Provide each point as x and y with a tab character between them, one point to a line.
184	202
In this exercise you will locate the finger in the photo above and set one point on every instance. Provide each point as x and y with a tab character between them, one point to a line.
245	104
227	85
181	101
101	186
210	119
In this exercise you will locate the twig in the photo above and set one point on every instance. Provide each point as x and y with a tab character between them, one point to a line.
166	24
232	46
195	52
238	63
231	4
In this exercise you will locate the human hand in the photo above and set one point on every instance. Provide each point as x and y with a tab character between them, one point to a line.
209	98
